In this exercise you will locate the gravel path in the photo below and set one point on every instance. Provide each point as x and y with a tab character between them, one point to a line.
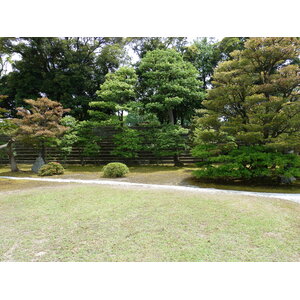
291	197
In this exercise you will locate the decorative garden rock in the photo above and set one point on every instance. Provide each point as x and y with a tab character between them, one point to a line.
287	180
37	164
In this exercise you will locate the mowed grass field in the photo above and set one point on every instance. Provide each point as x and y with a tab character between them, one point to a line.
59	222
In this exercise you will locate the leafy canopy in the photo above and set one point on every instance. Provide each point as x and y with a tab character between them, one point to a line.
255	98
169	85
116	93
41	123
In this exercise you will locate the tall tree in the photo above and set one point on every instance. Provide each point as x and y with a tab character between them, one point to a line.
169	86
67	69
255	99
204	55
141	45
8	128
115	93
229	44
40	125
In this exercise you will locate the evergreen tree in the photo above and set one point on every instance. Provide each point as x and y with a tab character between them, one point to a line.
69	70
255	99
169	86
141	45
116	93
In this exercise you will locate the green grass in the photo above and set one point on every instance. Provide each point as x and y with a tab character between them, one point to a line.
99	223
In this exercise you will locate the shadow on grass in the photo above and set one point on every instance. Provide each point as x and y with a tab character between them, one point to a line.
240	186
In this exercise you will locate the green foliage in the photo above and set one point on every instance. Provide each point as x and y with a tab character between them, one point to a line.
169	86
169	140
87	140
245	163
116	93
139	116
70	137
204	55
255	102
142	45
69	70
115	169
255	99
145	119
80	134
127	143
52	168
7	127
229	44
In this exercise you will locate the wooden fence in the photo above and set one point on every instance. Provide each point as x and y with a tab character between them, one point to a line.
26	154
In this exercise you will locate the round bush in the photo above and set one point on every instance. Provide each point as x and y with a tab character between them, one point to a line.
52	168
115	169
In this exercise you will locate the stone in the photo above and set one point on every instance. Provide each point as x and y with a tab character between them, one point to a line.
287	180
39	162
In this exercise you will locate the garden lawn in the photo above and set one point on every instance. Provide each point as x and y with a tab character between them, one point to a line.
101	223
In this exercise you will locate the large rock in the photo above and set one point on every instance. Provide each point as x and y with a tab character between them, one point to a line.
37	164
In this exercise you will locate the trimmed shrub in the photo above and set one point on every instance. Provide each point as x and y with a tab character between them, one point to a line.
115	169
52	168
246	163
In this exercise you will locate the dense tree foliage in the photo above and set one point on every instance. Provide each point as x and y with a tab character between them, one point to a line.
128	143
66	69
169	86
167	140
8	128
204	55
40	125
229	44
115	94
255	99
141	45
247	163
79	134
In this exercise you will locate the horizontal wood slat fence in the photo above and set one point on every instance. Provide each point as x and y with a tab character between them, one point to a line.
26	154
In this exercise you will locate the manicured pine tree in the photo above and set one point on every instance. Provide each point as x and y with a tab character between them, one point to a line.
169	86
115	93
255	101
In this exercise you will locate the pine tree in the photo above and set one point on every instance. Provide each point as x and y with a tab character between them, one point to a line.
116	93
255	101
169	86
256	98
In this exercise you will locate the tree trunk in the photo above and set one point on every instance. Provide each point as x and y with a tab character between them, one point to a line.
43	151
122	118
11	156
177	162
171	116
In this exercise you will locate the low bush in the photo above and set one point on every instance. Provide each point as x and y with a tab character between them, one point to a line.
115	169
246	163
52	168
